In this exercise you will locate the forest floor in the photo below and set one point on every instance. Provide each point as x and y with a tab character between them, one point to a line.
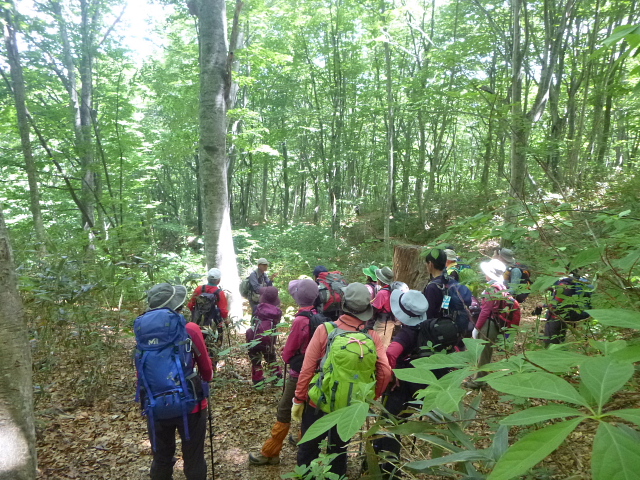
107	438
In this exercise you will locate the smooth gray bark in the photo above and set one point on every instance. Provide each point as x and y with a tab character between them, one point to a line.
17	423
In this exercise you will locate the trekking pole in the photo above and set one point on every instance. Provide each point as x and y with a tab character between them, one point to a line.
284	378
213	473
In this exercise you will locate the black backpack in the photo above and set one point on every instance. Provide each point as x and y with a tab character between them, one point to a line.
443	331
206	311
315	320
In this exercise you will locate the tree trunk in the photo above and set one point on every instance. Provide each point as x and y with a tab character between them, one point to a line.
408	266
17	422
285	181
214	77
19	95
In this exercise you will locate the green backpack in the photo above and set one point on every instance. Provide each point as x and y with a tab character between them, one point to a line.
245	288
347	370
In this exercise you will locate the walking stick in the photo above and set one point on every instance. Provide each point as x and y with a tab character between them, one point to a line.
284	378
213	473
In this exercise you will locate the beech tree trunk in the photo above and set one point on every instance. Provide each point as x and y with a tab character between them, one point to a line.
214	82
19	96
17	423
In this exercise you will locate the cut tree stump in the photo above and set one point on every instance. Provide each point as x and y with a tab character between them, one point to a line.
408	267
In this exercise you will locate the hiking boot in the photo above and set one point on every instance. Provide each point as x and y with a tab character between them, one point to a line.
259	459
292	440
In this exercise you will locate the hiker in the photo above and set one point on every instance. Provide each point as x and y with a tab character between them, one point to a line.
217	309
499	310
266	317
570	297
452	262
445	295
304	293
172	400
410	309
346	335
383	321
258	279
517	276
371	280
331	286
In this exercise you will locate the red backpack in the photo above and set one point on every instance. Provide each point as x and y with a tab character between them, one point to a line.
331	286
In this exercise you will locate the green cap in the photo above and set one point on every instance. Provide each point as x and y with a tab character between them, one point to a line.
370	272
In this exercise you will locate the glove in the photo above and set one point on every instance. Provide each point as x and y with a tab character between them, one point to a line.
475	333
296	411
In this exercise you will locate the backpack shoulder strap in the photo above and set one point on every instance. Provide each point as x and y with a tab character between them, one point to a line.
204	289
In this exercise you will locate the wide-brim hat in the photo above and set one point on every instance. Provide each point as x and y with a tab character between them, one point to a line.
357	301
304	291
507	255
270	295
494	269
385	275
262	261
165	295
410	307
370	272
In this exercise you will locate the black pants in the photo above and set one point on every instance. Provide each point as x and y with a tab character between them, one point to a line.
555	331
309	451
195	466
396	401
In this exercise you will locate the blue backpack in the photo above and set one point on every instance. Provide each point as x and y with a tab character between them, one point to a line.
168	385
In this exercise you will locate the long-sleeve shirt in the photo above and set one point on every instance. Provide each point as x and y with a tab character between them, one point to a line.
298	339
223	303
433	292
318	346
201	359
492	303
258	279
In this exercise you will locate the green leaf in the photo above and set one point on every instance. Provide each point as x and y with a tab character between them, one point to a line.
542	283
615	455
627	354
500	442
538	385
555	360
439	361
607	348
420	376
411	428
321	425
629	414
352	419
540	414
464	456
617	317
624	214
586	257
532	449
603	376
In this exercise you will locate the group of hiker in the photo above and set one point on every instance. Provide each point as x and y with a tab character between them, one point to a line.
343	343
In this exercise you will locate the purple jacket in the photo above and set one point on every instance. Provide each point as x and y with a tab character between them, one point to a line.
269	316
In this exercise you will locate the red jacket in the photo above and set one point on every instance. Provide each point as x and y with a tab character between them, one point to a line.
203	361
222	303
298	338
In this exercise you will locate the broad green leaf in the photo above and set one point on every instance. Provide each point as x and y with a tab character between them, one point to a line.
607	348
542	283
475	347
421	376
557	361
448	400
627	354
538	385
322	425
629	414
603	376
439	361
532	449
540	414
465	456
615	455
617	317
439	441
628	262
586	257
352	419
